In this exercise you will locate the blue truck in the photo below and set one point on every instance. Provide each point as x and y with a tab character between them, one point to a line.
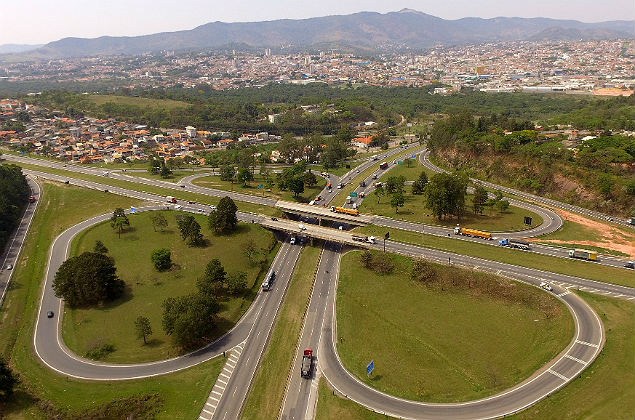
515	243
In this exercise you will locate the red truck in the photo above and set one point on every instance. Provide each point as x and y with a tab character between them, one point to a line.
307	364
171	199
31	199
383	165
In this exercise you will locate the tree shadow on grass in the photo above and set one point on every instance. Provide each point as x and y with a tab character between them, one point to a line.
154	342
376	378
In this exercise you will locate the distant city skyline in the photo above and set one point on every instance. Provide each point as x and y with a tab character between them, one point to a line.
43	21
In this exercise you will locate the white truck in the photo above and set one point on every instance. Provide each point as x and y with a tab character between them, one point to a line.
583	254
364	238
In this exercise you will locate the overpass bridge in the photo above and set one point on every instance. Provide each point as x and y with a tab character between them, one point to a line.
314	231
322	213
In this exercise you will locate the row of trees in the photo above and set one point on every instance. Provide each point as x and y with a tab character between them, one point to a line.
14	194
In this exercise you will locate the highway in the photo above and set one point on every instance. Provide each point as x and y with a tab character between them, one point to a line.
425	160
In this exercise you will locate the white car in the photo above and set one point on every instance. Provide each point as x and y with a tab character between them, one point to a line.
546	286
10	267
302	227
212	207
292	240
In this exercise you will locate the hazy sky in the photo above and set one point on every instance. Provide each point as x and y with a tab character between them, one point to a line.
41	21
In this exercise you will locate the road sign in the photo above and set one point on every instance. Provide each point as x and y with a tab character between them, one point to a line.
528	220
353	194
413	156
260	186
370	367
399	162
387	235
133	210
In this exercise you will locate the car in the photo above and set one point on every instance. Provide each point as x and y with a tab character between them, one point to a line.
302	227
357	170
292	240
178	207
546	286
66	182
50	314
200	211
105	190
182	186
212	207
10	267
374	176
191	202
339	187
630	264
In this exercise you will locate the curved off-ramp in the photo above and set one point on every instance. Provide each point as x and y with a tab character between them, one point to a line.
582	350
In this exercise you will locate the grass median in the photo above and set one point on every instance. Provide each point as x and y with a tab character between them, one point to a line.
476	334
587	270
42	393
267	390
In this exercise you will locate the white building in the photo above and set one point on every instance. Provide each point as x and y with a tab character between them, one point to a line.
190	131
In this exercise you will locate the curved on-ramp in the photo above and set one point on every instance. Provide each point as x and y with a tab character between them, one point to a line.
51	350
582	350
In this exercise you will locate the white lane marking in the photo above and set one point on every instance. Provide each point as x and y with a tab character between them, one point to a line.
224	375
216	392
221	381
586	343
210	404
207	411
564	378
213	399
575	359
564	293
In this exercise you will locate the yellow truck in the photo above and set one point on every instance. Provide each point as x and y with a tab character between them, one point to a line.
472	232
583	254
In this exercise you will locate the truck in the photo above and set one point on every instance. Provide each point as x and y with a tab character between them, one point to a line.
344	210
266	285
473	233
349	199
515	243
307	364
171	199
583	254
631	221
383	165
364	238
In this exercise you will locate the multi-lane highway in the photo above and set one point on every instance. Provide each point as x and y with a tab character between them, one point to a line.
246	342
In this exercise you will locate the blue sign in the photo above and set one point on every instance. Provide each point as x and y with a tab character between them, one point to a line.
259	186
370	367
353	194
133	210
413	156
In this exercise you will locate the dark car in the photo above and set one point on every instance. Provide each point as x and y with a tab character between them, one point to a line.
66	182
630	264
50	314
275	219
191	202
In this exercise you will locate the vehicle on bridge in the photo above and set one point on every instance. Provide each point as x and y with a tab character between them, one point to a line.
583	254
306	370
383	165
364	238
515	243
344	210
473	233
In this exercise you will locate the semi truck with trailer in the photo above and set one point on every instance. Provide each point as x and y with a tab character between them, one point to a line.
583	254
307	364
266	285
171	199
515	243
344	210
472	232
364	238
383	165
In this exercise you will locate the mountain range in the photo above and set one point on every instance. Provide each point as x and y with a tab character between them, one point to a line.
406	29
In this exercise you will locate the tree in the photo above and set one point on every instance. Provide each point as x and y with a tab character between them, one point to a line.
250	251
236	282
379	192
502	205
165	172
119	221
310	180
422	270
190	230
100	248
213	278
479	200
420	184
7	380
445	194
189	319
143	328
296	185
227	173
366	259
87	279
395	184
162	259
397	201
158	221
223	219
244	176
408	162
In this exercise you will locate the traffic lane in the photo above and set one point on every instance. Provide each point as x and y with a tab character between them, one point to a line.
535	275
547	380
296	403
238	385
14	245
51	349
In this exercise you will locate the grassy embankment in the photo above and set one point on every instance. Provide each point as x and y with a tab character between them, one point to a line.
267	390
604	390
476	334
87	329
42	393
214	181
566	266
181	195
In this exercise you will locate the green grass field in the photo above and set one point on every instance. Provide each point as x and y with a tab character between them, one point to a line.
147	288
137	101
333	407
44	394
267	390
214	181
415	210
175	177
566	266
466	343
